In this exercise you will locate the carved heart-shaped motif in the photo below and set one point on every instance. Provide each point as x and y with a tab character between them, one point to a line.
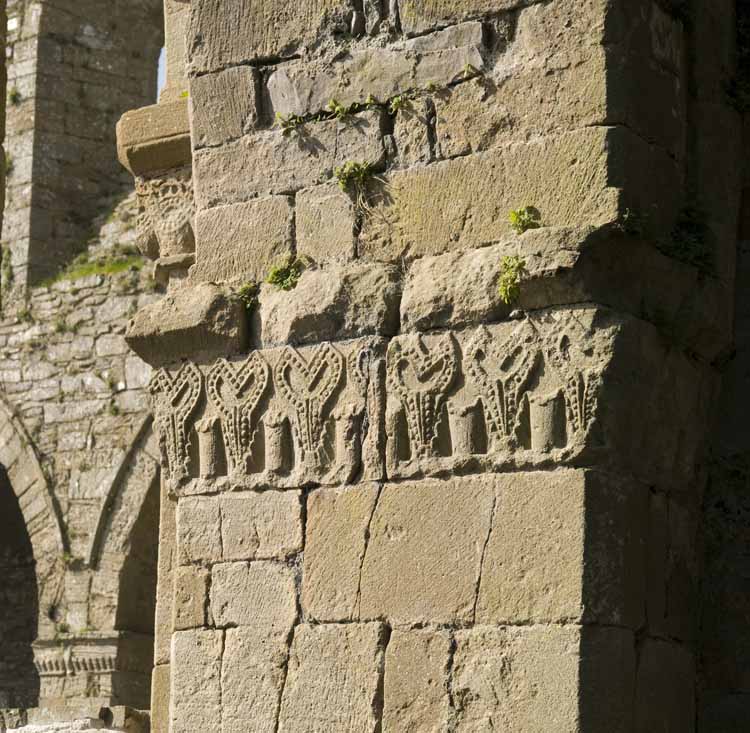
174	400
235	392
416	369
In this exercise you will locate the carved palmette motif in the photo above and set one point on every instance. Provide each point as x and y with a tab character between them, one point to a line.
579	398
173	401
307	387
235	392
501	373
165	216
421	378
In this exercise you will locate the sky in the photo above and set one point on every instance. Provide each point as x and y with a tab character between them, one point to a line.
162	70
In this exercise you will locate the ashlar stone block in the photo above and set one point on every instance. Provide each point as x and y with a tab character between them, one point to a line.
415	691
252	677
190	597
462	204
549	679
425	551
338	521
324	224
226	33
260	594
196	680
261	526
303	88
333	678
339	302
224	105
241	242
198	530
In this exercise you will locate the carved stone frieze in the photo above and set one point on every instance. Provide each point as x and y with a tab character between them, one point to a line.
280	418
522	393
486	396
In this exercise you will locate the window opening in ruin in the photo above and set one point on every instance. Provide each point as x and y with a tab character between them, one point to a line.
162	72
19	605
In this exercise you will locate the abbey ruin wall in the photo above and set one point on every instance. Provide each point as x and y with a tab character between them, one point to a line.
402	501
437	393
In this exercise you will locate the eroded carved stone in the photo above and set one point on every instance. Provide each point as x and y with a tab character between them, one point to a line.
166	213
307	387
421	377
500	392
280	418
235	393
174	400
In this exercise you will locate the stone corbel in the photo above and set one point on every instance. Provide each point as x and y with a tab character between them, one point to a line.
153	143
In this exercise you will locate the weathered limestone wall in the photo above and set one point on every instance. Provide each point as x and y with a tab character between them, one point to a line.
79	460
74	67
402	503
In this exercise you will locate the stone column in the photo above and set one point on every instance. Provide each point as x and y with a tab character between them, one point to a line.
434	397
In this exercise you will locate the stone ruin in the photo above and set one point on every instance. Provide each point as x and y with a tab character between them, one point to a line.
435	410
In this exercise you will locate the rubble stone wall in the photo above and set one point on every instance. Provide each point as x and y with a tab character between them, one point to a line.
77	444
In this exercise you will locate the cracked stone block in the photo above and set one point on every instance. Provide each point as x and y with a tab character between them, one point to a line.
198	530
252	678
500	549
342	301
335	542
196	680
333	679
437	60
552	561
261	526
241	242
224	105
222	33
324	224
260	594
415	691
423	560
309	155
190	597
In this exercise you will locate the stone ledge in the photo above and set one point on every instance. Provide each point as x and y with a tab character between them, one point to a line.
154	138
202	319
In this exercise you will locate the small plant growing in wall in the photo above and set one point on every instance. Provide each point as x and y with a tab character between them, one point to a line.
512	269
288	124
524	219
353	178
285	275
8	163
248	295
340	111
14	96
61	325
